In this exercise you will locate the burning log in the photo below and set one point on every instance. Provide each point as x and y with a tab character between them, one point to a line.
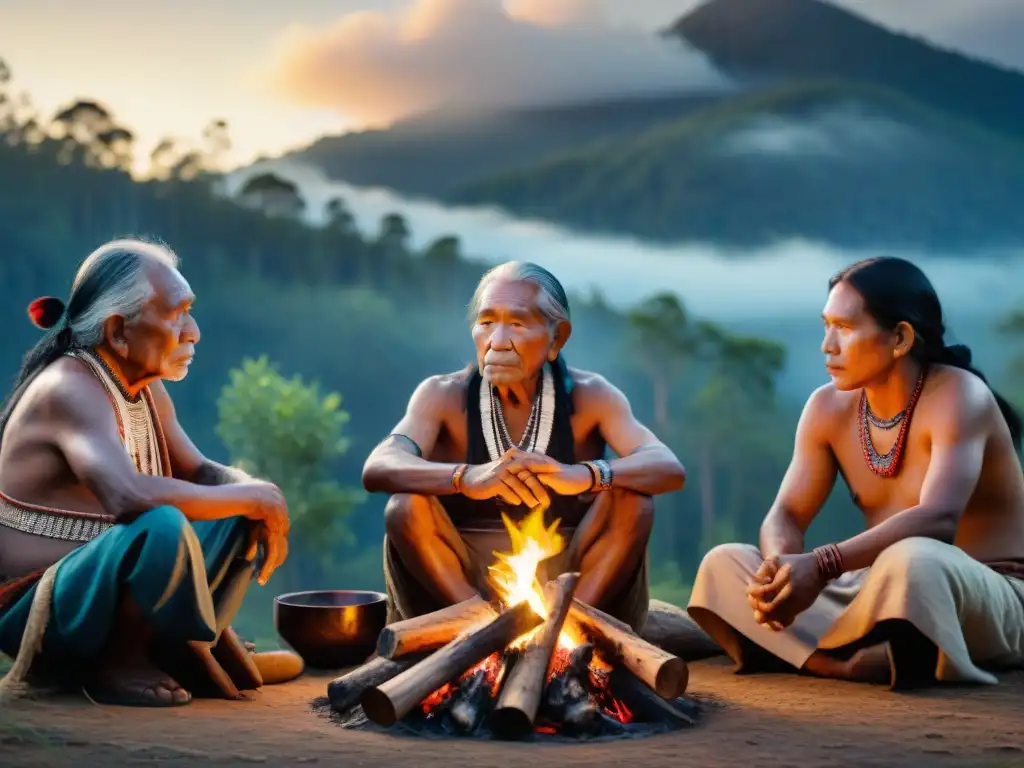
644	703
662	672
344	692
471	703
389	702
672	629
433	630
520	698
567	699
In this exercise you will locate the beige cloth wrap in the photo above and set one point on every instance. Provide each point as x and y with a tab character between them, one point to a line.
973	614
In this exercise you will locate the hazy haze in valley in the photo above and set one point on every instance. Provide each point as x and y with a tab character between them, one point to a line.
776	292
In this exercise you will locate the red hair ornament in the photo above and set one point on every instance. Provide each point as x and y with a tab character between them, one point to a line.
46	311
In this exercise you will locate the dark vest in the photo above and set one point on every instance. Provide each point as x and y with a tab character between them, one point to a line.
467	514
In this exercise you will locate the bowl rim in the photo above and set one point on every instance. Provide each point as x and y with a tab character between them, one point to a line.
288	597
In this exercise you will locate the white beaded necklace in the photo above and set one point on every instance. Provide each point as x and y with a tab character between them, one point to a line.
136	422
537	434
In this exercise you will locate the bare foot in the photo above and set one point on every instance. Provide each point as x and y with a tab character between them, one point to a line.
872	665
136	684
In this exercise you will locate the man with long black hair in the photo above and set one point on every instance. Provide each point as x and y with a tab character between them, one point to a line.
119	541
933	589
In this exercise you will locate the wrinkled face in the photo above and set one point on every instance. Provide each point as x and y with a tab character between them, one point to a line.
512	338
161	340
857	350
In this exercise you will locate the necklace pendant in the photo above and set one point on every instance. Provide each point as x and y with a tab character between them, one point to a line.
888	464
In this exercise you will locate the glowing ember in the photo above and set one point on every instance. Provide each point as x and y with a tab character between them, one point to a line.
493	667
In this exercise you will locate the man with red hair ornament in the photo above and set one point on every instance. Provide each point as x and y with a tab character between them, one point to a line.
124	552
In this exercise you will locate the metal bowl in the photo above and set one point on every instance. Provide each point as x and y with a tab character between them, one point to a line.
331	629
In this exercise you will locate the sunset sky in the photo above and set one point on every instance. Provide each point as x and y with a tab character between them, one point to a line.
283	73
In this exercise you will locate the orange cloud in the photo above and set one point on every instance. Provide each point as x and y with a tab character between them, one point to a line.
377	67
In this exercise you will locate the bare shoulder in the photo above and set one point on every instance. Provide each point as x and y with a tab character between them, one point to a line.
590	383
825	408
443	391
952	396
827	402
592	391
66	390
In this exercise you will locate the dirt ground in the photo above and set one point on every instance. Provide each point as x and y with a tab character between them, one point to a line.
767	720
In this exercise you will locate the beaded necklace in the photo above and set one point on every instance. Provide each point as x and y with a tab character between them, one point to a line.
888	464
537	434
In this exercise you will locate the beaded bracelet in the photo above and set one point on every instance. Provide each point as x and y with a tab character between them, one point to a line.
457	474
830	561
603	475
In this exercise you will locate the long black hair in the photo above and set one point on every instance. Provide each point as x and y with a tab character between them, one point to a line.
894	291
110	281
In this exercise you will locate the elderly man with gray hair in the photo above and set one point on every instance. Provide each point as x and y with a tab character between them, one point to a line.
124	552
518	431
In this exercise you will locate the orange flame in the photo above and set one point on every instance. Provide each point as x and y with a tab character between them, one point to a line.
514	574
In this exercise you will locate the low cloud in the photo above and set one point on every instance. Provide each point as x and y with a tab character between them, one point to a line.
376	67
841	131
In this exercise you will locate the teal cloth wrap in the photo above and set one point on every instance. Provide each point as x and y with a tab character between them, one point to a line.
185	577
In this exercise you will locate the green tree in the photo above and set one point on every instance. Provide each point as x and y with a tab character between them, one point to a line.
90	133
664	341
394	231
738	391
339	216
285	431
440	258
216	144
1012	326
274	195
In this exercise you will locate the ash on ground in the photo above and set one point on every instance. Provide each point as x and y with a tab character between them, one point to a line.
439	724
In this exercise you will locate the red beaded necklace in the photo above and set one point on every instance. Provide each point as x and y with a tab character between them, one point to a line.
889	464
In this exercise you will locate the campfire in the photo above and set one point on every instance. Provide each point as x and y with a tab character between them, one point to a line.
535	660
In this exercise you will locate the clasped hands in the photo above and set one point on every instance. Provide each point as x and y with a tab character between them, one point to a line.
783	587
519	477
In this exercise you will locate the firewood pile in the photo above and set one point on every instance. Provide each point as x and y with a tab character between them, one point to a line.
509	671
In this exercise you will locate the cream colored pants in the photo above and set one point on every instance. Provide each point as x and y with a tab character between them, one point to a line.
973	615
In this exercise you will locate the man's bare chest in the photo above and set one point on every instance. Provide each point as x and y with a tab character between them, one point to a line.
872	493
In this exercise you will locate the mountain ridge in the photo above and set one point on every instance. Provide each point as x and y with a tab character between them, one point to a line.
780	52
904	168
811	38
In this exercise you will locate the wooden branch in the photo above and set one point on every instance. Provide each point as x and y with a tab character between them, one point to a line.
344	692
671	629
644	703
236	661
433	630
659	670
470	706
389	702
516	712
567	700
